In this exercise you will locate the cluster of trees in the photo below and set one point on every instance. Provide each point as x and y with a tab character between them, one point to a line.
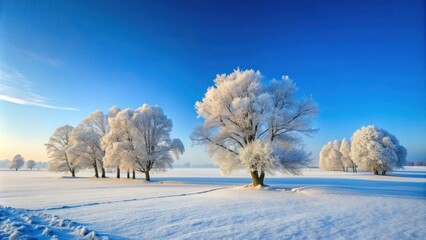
416	163
372	149
18	162
335	155
130	140
248	124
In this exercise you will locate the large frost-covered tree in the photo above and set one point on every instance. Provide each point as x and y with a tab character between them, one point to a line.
374	149
57	150
30	164
17	162
154	149
247	124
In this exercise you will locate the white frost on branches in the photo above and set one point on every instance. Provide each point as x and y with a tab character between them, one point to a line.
17	162
345	150
114	141
57	149
30	164
247	124
374	149
140	140
154	149
85	148
122	139
335	156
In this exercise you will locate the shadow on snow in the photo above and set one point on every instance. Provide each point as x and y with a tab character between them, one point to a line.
374	187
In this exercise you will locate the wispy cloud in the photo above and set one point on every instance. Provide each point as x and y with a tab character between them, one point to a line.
42	58
16	88
34	56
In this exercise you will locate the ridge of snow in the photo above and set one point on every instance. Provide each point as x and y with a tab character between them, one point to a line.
25	224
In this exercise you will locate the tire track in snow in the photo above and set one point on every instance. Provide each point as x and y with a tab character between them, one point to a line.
129	200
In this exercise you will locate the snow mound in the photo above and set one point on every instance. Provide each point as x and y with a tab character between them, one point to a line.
17	224
46	231
83	231
266	188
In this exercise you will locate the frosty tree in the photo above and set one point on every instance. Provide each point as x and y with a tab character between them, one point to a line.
109	140
153	147
118	142
247	124
331	157
324	159
374	149
17	162
84	149
30	164
335	155
57	150
345	150
140	140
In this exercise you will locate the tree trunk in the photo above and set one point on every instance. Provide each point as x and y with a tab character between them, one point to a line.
73	173
16	169
147	177
255	178
384	172
262	178
134	174
118	172
96	171
103	173
128	173
376	172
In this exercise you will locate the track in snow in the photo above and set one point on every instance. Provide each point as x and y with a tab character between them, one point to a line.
26	224
129	200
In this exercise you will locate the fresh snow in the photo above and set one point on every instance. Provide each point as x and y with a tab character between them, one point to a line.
26	224
199	203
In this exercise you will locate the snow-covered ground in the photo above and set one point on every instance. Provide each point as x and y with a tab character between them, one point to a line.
201	204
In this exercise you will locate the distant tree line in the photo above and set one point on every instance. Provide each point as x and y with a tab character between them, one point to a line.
372	149
416	163
129	140
18	162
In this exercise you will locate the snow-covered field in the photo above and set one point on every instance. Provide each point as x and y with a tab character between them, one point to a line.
201	204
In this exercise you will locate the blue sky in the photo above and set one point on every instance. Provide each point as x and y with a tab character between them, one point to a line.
363	62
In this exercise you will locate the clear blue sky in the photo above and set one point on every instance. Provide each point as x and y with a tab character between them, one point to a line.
363	62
